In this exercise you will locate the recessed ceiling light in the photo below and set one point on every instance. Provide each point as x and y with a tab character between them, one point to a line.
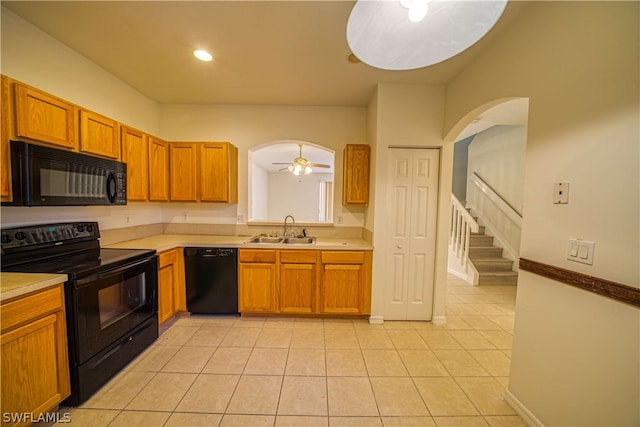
202	55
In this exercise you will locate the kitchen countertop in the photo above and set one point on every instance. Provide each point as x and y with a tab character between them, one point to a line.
17	284
163	242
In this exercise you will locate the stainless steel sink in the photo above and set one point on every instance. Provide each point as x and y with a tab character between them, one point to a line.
300	240
264	239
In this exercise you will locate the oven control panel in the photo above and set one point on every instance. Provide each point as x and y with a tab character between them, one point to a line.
48	234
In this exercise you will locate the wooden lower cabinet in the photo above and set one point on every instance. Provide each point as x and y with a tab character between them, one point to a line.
172	294
35	366
298	281
257	283
346	282
304	281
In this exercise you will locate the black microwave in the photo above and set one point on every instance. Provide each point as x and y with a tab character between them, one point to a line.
43	176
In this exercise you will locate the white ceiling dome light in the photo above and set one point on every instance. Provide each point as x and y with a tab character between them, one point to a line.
409	34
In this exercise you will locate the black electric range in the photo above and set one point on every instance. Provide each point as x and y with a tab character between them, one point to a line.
111	296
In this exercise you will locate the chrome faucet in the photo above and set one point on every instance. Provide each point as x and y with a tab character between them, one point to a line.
285	223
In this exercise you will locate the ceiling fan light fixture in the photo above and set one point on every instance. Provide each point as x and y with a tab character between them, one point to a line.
380	35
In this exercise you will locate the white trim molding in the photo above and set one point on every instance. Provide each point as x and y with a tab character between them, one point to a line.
522	410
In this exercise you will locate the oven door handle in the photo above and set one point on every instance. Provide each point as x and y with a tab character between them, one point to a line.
110	273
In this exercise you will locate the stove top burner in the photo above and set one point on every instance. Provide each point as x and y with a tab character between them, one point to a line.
65	248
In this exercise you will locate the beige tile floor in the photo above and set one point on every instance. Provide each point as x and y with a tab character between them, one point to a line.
208	371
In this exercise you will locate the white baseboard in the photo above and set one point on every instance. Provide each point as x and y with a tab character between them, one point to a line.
526	415
439	320
459	275
376	320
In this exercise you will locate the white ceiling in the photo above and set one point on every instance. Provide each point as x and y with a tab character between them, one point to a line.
265	52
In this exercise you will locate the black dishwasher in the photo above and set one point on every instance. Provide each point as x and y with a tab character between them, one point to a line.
212	280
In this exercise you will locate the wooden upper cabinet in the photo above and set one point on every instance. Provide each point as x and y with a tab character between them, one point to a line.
158	170
5	125
99	135
356	174
135	154
218	172
43	117
183	171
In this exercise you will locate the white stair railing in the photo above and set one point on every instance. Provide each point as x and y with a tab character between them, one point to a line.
462	225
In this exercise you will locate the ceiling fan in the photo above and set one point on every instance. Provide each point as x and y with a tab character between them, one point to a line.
301	165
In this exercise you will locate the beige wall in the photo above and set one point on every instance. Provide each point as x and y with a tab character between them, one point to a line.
33	57
248	126
578	64
408	115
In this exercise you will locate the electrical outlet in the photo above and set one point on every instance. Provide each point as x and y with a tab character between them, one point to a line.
127	219
561	193
339	218
185	216
240	218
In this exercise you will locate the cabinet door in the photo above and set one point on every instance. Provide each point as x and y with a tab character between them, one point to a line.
345	286
30	359
257	288
34	362
135	155
99	135
298	281
183	171
341	291
43	117
158	170
218	172
356	174
166	284
5	125
297	288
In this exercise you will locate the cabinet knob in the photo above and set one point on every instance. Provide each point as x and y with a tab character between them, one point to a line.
399	246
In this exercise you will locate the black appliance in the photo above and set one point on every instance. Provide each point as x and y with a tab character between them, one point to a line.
110	298
43	176
212	280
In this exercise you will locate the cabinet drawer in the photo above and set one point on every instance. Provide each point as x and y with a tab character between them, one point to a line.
298	257
343	257
167	258
31	307
258	255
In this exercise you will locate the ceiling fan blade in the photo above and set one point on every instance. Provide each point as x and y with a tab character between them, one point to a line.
283	169
318	165
287	163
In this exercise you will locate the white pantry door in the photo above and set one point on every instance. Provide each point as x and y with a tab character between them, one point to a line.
412	200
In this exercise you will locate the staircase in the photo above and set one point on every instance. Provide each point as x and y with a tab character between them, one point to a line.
487	259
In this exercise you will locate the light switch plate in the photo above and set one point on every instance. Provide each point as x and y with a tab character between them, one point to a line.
581	251
561	193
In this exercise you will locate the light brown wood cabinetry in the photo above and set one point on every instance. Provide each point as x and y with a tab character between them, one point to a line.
6	120
158	170
99	135
203	171
345	282
299	281
45	118
218	172
257	281
172	294
136	155
35	367
356	174
183	171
